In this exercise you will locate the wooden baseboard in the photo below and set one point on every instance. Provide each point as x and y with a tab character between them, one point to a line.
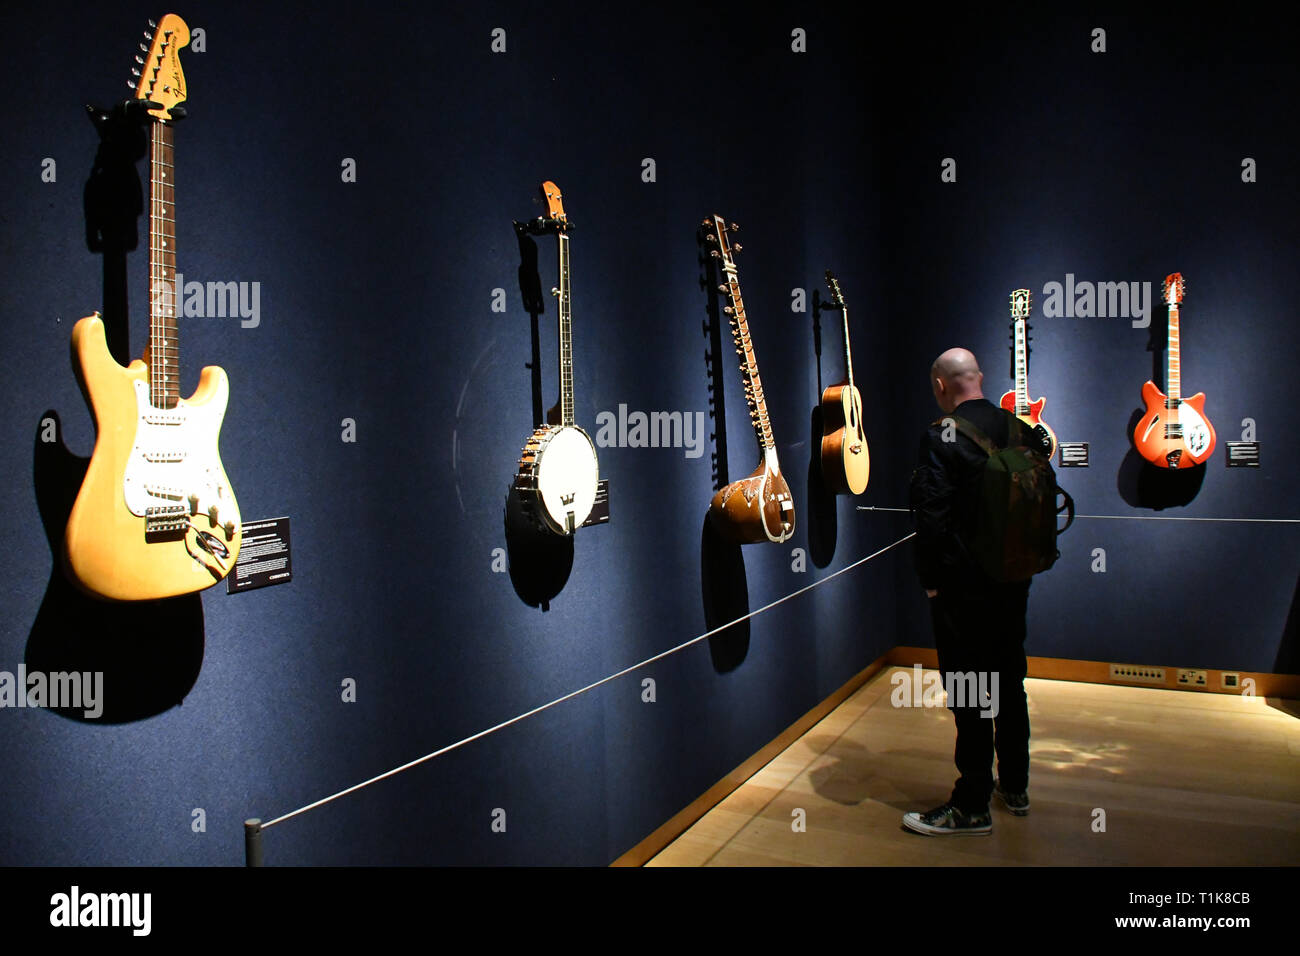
681	821
1285	686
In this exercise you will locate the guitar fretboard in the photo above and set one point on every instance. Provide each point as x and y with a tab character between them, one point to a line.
1174	390
566	336
164	297
1022	369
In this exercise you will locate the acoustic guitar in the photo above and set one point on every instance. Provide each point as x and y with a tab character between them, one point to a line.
155	516
559	474
1017	400
1174	432
759	507
846	463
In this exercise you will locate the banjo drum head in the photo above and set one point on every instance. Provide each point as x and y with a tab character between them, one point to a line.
567	475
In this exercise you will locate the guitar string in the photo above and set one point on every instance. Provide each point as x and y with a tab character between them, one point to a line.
1141	517
582	690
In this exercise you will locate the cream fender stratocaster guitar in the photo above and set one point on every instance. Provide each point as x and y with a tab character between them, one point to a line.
558	471
846	463
1174	432
155	516
757	508
1017	400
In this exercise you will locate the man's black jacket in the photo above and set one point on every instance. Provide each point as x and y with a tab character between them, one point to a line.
945	491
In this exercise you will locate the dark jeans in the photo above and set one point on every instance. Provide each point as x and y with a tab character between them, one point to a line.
980	630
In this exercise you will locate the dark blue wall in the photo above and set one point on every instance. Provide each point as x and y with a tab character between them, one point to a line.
376	305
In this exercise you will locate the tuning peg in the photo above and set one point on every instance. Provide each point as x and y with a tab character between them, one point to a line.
706	222
139	60
721	287
733	227
148	35
710	238
713	253
143	48
736	247
134	71
130	84
728	309
151	24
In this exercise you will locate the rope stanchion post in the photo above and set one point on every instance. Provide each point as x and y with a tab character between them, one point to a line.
253	842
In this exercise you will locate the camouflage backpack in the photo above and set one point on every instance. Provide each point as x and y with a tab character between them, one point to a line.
1014	530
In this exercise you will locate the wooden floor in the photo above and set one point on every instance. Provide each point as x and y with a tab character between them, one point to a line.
1184	778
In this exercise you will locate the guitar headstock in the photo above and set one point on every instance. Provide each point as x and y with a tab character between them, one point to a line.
554	200
837	297
1175	288
719	236
1021	302
159	70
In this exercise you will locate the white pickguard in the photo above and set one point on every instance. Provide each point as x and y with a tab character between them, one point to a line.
567	476
1196	434
174	461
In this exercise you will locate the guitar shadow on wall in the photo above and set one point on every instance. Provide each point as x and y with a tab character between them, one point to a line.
724	588
149	652
821	515
539	562
1142	484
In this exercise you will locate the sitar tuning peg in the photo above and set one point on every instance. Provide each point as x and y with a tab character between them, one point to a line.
706	222
734	227
736	247
710	238
721	287
713	253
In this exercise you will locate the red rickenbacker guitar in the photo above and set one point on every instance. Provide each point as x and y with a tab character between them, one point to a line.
757	508
846	463
1174	433
155	516
1017	400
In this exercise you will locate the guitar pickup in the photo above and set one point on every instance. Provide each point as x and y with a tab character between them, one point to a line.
163	456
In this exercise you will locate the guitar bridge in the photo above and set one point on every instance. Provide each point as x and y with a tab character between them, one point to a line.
166	520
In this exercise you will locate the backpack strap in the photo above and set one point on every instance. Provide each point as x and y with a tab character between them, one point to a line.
974	434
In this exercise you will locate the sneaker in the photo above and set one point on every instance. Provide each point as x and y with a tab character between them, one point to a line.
947	820
1017	803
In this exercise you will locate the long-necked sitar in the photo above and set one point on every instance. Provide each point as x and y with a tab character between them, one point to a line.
1017	400
559	474
757	508
155	516
846	463
1174	432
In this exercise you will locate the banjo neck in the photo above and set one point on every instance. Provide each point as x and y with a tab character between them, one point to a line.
566	334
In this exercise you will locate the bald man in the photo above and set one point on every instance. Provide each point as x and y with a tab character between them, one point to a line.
979	623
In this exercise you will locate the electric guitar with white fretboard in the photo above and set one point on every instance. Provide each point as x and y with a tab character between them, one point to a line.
1017	400
559	475
155	516
757	508
846	463
1174	432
